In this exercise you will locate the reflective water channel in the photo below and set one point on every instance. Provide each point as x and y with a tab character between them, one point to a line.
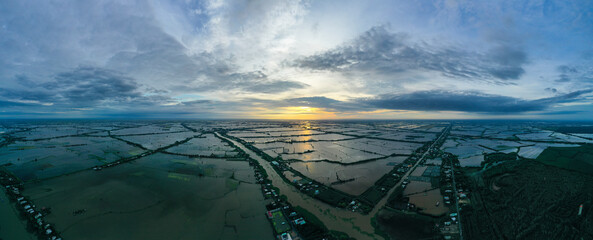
354	224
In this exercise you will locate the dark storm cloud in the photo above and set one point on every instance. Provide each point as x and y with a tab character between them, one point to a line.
91	84
380	51
466	102
30	94
80	88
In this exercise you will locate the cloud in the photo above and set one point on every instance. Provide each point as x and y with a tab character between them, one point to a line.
149	56
505	62
225	76
380	51
440	100
325	103
259	82
568	112
5	103
274	86
578	74
435	100
82	87
566	73
32	94
90	85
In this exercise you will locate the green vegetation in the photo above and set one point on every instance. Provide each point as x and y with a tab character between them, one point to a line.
311	218
401	225
395	197
572	129
378	231
578	159
279	222
498	157
339	235
528	200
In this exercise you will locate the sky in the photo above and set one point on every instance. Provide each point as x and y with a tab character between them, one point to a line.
275	59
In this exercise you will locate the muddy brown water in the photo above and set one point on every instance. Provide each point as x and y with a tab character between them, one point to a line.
354	224
364	174
427	201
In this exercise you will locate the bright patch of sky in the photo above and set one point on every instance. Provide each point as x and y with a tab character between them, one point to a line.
297	59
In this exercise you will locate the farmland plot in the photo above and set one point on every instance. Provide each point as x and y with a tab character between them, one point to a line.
156	198
380	146
48	158
332	152
534	151
152	128
364	174
205	145
52	131
155	141
408	136
569	138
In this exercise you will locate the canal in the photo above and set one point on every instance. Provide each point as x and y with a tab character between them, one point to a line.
354	224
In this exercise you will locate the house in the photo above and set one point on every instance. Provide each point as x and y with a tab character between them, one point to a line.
285	236
299	221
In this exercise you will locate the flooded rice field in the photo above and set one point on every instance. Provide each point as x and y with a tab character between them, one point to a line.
204	145
359	177
157	197
471	143
429	202
40	159
192	179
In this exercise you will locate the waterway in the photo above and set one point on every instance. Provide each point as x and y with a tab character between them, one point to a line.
354	224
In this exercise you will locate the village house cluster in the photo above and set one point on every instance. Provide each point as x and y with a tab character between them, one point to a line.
27	209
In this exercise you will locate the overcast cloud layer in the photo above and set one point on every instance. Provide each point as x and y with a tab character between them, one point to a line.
296	59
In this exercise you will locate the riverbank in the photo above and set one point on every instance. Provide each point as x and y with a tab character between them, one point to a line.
11	226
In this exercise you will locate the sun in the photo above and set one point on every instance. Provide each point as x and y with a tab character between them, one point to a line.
306	109
298	112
